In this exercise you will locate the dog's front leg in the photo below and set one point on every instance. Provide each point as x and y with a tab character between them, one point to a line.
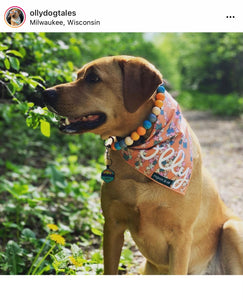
112	246
179	256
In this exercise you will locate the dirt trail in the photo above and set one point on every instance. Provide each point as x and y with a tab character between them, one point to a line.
221	141
222	148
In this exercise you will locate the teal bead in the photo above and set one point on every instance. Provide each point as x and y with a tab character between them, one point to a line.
147	124
160	89
152	118
122	144
117	146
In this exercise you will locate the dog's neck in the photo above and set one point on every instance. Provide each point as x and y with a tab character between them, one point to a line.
17	20
140	117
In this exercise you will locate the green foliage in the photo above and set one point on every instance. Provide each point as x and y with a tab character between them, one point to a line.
49	180
11	77
46	180
169	51
13	261
224	105
206	63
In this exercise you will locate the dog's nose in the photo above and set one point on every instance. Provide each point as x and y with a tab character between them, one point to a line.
50	96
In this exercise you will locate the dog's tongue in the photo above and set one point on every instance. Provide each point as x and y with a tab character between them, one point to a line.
84	119
81	124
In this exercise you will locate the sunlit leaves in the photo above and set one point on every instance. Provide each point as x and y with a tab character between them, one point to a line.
45	128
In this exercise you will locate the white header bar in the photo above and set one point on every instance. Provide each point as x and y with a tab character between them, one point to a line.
124	16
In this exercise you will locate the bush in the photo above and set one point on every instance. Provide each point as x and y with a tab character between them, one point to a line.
206	62
224	105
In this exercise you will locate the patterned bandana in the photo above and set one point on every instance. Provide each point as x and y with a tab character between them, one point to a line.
166	156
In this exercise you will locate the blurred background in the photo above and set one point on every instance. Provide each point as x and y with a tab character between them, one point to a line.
49	178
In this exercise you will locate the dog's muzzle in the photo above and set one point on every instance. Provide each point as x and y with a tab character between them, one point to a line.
50	97
72	124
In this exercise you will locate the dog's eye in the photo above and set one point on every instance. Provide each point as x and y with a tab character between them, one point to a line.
92	77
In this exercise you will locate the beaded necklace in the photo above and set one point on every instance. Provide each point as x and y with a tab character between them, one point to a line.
108	174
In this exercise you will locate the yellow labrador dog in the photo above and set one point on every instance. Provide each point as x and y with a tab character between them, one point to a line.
189	232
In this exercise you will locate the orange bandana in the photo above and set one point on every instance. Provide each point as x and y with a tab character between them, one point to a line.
166	156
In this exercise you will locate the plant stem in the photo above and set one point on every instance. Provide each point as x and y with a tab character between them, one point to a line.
14	264
43	259
46	268
38	254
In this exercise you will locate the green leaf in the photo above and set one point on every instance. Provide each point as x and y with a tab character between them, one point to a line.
72	158
7	63
14	52
32	121
12	88
16	100
70	65
14	255
22	51
97	258
240	101
18	189
3	47
96	231
13	167
17	84
14	62
45	128
38	78
32	83
27	234
10	225
29	121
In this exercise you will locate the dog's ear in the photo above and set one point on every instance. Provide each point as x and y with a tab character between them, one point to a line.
140	80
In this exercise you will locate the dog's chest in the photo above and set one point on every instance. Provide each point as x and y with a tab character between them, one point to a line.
144	214
145	207
152	244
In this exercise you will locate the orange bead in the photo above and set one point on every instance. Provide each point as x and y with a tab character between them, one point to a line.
113	146
160	96
158	103
141	130
135	136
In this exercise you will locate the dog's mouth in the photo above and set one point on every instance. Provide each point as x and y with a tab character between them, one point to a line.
82	124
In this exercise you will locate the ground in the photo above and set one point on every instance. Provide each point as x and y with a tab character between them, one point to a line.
221	141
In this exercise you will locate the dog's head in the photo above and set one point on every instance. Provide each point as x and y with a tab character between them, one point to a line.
15	13
108	94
